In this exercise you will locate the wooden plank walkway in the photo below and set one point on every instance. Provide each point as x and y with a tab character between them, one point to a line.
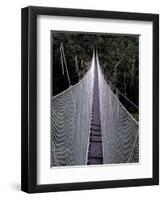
95	154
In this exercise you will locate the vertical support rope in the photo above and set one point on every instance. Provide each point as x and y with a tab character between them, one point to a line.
62	65
64	58
77	67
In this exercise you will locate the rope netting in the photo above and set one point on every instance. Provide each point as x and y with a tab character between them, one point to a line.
71	118
71	121
119	129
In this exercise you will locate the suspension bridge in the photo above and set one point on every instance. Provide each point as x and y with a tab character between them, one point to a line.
90	125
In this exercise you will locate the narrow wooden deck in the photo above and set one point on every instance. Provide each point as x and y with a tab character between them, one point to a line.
95	154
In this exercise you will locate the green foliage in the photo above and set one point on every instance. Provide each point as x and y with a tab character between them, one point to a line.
118	56
75	44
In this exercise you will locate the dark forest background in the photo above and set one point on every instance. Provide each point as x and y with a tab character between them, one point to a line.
118	56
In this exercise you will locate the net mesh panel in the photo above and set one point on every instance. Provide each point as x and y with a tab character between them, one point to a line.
119	129
71	117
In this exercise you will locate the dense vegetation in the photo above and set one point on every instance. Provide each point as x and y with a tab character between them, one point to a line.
118	55
75	45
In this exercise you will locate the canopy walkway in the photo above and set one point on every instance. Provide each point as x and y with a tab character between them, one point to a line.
90	125
95	154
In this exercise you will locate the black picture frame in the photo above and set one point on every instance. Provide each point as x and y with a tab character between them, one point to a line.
29	98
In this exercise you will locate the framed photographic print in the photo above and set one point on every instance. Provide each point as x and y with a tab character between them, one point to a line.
90	99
